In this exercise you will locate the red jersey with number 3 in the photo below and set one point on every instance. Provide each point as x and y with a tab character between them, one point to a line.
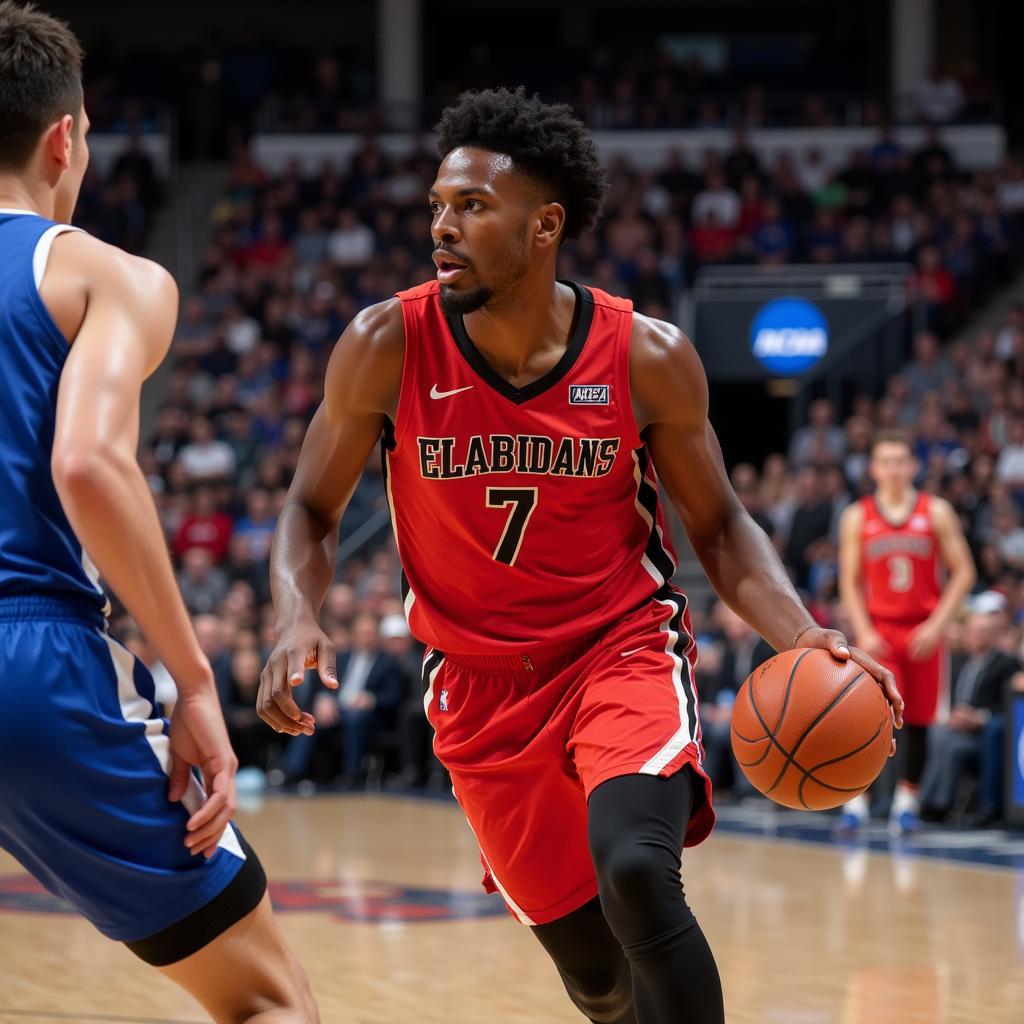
900	563
523	516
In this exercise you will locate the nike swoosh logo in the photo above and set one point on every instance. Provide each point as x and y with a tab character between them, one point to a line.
636	650
434	393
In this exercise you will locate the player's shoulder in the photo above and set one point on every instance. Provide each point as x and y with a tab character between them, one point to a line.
659	340
103	266
377	330
365	370
666	376
940	511
661	351
852	517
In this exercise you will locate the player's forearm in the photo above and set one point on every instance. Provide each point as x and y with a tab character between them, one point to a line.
109	506
747	573
958	586
301	563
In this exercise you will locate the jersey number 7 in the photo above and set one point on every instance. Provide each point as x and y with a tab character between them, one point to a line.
522	500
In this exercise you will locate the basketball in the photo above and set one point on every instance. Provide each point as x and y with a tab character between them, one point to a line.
810	731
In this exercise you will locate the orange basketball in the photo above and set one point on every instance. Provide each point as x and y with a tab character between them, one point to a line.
810	731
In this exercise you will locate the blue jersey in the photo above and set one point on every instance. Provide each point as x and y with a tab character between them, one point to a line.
84	754
39	552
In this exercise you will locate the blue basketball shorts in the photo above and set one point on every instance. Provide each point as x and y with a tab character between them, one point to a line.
84	762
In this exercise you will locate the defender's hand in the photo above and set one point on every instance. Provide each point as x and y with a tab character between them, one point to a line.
302	646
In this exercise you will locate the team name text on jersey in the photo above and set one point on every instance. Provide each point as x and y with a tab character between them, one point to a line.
519	453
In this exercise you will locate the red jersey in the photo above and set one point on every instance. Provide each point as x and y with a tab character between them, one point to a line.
900	563
523	516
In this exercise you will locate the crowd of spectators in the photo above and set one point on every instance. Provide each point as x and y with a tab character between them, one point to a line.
314	249
292	258
118	206
226	85
641	92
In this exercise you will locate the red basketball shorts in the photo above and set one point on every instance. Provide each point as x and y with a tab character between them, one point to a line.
921	683
527	738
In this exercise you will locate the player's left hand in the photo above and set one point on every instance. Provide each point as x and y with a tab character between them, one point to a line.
835	643
923	640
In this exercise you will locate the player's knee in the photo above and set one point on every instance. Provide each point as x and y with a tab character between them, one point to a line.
632	873
605	996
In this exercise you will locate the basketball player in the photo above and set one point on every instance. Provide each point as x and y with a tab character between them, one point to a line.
891	546
97	796
521	420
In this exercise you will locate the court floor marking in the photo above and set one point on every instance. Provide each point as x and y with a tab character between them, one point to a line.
992	850
895	854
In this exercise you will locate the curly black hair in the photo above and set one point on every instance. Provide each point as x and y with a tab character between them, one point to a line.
546	140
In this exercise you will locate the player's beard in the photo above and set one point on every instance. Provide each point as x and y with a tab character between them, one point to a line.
455	303
513	269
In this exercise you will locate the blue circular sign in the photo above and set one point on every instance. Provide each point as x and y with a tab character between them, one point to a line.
788	336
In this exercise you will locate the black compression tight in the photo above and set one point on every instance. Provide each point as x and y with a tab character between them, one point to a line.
637	955
914	741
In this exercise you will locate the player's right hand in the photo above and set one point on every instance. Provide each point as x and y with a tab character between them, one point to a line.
199	739
299	646
873	644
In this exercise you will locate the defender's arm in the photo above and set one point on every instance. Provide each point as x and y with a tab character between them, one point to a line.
127	328
130	310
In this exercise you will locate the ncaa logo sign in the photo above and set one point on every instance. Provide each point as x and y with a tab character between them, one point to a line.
788	336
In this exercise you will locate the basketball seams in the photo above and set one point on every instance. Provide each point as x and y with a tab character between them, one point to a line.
774	742
843	680
837	699
745	689
809	774
789	689
769	734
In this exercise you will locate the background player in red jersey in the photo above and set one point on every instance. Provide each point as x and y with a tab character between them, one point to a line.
521	418
892	546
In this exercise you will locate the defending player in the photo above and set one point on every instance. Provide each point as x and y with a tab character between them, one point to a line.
891	547
97	798
521	419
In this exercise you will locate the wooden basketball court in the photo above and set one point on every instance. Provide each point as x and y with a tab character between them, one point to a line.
381	901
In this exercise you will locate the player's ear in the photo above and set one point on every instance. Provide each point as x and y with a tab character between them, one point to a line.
58	140
550	224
